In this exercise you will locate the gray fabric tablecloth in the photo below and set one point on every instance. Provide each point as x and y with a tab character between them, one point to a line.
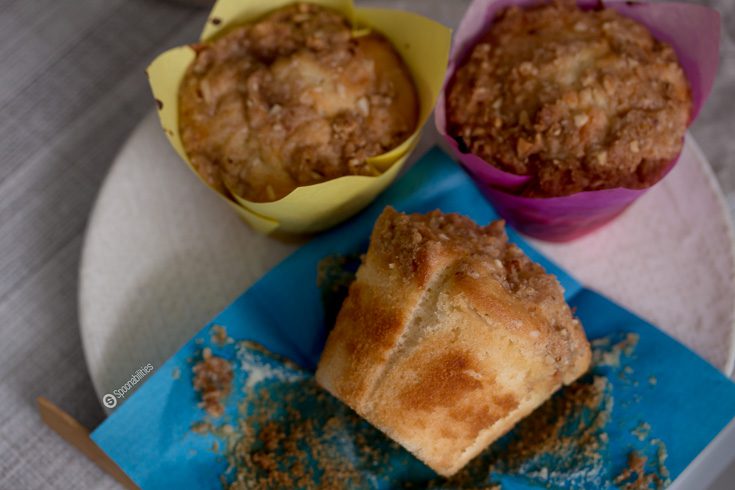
71	89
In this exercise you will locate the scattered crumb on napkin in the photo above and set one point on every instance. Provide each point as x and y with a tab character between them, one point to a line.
291	434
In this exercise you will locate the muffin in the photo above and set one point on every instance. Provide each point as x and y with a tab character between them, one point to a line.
293	99
449	336
578	100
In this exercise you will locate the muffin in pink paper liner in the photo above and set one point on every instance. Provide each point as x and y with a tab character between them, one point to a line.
693	33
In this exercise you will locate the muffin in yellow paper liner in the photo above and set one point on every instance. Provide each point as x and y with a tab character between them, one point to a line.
424	47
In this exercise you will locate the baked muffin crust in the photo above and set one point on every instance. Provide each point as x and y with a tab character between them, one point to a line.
294	99
579	100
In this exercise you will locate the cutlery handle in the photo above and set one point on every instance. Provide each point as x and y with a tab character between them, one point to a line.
78	436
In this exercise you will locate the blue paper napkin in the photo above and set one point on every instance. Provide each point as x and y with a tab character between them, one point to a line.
646	410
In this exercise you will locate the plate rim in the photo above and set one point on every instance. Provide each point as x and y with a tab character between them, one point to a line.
84	259
706	167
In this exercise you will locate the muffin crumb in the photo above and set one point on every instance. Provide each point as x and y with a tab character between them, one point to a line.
213	381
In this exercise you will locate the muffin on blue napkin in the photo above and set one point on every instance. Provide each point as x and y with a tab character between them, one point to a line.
449	336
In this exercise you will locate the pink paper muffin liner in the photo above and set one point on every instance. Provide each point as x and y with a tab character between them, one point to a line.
694	33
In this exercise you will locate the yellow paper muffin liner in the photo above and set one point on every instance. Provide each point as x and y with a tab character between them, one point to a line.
422	43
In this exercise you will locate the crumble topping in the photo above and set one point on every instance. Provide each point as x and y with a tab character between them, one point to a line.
297	98
578	99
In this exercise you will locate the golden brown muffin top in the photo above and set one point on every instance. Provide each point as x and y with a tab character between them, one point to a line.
411	241
291	100
579	100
